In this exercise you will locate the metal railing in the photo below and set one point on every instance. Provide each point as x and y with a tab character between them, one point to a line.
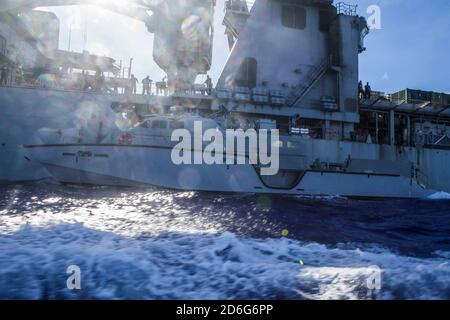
108	90
346	9
430	139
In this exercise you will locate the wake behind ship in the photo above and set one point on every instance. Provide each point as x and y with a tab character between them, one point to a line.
74	118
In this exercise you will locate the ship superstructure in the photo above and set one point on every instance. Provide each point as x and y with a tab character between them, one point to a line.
293	66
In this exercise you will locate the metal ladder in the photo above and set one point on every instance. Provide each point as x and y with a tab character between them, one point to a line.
419	176
314	75
230	27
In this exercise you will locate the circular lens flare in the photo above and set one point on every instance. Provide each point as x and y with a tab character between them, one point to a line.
191	27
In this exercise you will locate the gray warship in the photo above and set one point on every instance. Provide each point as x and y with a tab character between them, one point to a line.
292	66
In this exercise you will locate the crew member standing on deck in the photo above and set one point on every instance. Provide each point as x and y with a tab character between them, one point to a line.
367	91
83	81
360	90
98	80
19	75
4	76
133	84
146	86
209	85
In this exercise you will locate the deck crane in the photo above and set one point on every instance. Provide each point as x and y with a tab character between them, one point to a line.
183	30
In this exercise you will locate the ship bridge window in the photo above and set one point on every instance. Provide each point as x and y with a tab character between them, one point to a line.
293	17
246	76
159	124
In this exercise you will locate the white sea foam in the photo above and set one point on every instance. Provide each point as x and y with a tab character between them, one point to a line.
33	263
167	245
440	196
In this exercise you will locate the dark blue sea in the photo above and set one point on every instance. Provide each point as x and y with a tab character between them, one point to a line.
158	244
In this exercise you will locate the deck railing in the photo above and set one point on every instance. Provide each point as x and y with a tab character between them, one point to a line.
346	9
239	5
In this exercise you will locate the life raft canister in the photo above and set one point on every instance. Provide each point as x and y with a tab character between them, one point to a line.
126	138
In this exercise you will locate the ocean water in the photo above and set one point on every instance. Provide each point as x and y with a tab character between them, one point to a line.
158	244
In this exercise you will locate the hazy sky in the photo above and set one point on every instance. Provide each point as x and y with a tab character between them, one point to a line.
412	50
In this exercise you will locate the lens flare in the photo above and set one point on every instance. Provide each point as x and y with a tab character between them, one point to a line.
47	79
191	27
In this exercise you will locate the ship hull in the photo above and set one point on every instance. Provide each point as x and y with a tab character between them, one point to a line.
122	165
25	111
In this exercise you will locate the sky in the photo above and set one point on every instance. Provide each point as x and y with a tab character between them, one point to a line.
411	50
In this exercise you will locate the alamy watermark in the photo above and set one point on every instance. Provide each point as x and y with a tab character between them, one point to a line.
374	17
262	149
74	280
